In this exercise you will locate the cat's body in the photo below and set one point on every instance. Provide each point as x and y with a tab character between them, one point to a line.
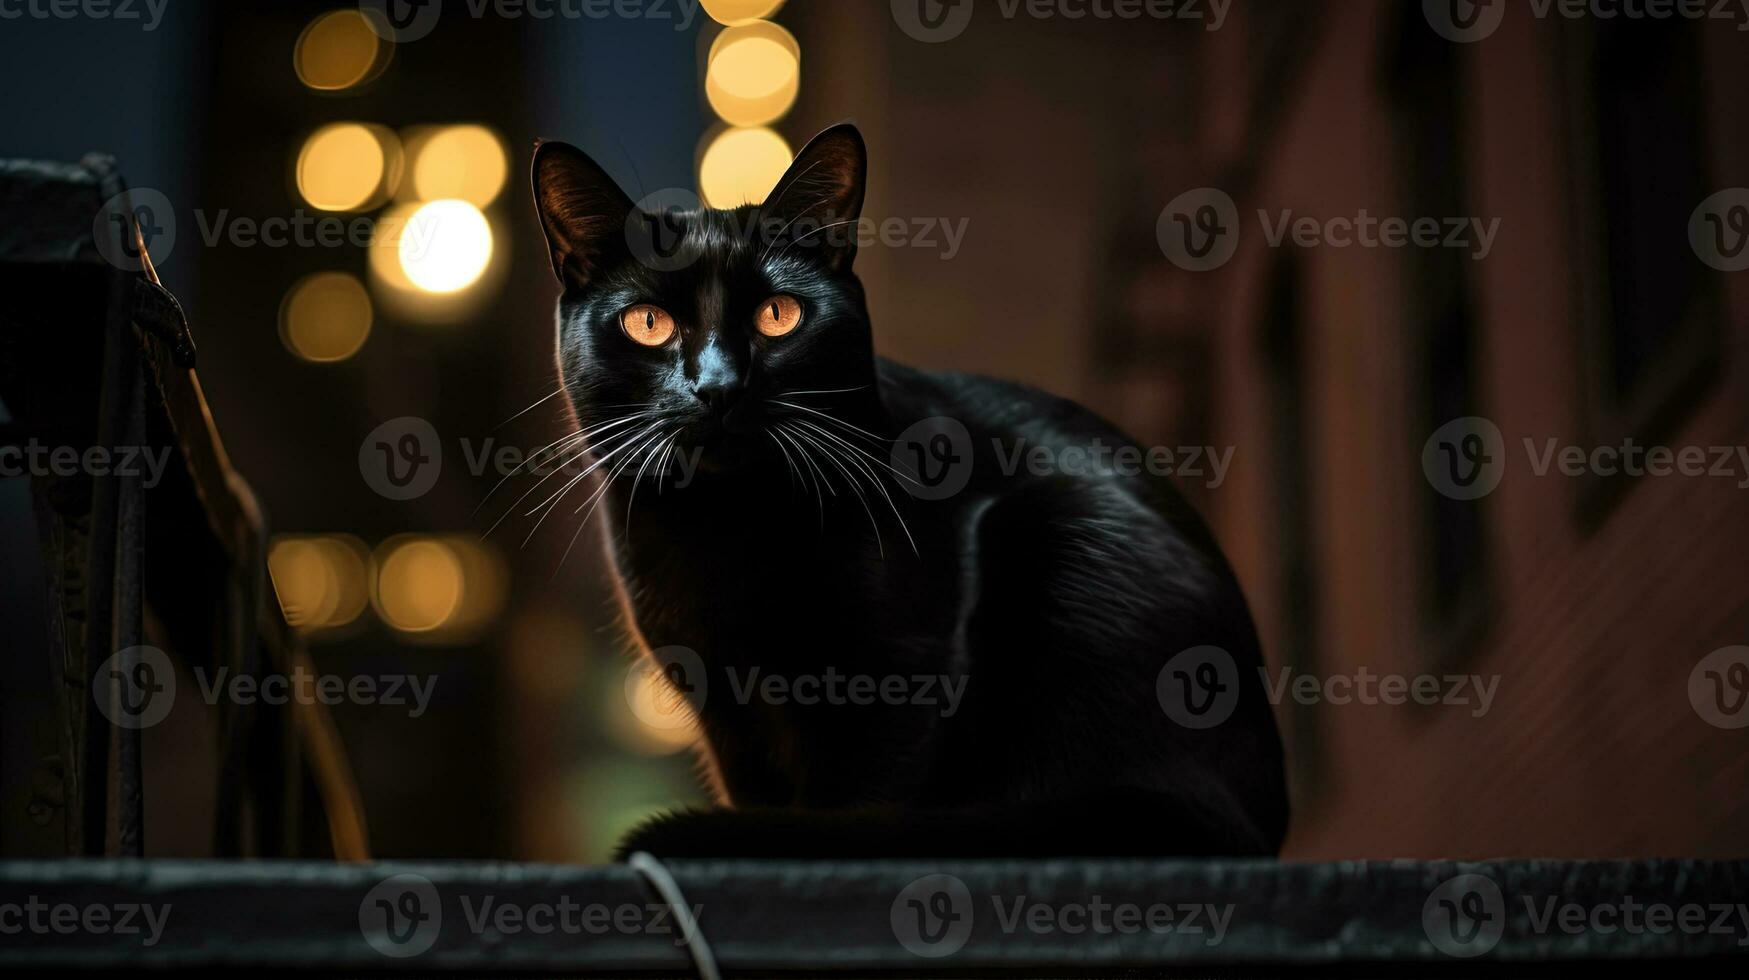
996	651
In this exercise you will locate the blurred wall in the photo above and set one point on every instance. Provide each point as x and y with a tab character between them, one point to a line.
1587	603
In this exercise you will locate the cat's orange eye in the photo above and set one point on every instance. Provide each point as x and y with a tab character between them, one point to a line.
648	325
779	315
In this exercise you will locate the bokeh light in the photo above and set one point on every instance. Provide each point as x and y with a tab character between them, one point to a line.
323	581
348	166
740	166
466	162
385	248
753	74
419	584
732	12
445	246
439	588
326	317
652	718
338	51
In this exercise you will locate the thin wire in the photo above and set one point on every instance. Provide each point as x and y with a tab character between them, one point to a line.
661	879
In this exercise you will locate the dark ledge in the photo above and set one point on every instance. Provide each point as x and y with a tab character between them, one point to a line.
1345	919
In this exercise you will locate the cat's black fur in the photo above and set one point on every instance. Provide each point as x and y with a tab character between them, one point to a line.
1057	599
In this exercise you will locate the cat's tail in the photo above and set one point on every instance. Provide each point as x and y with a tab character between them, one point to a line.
1120	823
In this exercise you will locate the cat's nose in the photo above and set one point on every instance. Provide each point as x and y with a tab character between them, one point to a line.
719	396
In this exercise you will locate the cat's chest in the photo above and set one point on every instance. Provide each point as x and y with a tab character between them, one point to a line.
765	597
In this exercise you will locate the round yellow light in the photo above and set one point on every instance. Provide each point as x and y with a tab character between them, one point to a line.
653	719
754	73
339	50
741	165
326	317
347	166
733	12
463	162
385	248
445	246
321	581
486	580
419	584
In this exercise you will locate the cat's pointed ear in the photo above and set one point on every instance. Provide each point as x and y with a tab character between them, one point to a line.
582	210
819	199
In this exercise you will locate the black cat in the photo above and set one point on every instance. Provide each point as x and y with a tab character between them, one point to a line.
802	548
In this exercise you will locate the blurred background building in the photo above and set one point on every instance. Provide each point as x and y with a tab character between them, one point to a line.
1057	142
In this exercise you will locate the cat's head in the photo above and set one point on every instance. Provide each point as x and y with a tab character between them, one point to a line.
698	322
